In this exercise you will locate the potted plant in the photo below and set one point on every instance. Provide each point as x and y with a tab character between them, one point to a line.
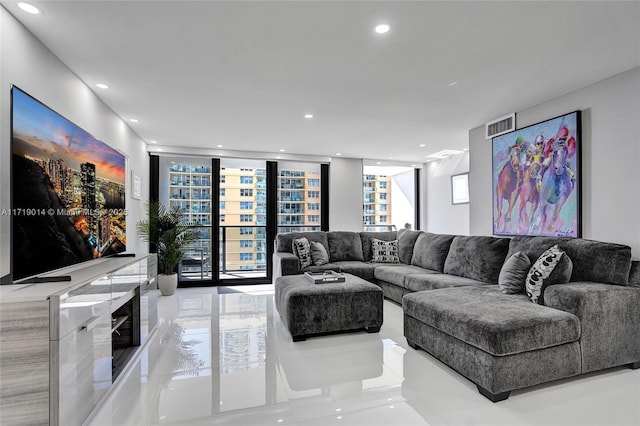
168	237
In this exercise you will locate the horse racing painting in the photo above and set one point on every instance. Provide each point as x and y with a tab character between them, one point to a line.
536	179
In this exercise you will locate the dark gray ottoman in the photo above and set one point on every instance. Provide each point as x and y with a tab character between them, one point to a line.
309	309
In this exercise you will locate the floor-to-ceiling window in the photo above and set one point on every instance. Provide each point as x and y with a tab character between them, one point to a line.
243	219
227	201
185	183
299	196
388	198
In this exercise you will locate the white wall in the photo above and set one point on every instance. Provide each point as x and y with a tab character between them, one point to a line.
610	159
439	215
403	202
28	64
345	194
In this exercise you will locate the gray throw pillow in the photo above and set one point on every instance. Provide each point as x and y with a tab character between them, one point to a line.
540	275
384	251
319	255
302	249
514	273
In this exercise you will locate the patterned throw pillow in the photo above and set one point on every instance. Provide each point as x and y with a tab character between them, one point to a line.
302	249
537	279
384	251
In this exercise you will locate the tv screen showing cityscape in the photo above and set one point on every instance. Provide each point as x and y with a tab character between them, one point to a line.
68	191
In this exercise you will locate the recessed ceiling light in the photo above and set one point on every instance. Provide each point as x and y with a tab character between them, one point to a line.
134	120
219	146
378	162
282	150
102	86
453	83
414	165
338	153
159	149
29	8
153	141
390	158
308	116
382	28
278	157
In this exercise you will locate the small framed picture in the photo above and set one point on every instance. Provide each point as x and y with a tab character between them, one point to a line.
460	188
136	186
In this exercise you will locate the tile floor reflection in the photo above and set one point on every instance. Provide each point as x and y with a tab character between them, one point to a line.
223	357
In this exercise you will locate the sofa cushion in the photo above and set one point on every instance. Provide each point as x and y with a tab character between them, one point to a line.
395	274
475	257
284	241
406	241
430	280
596	261
302	249
384	251
514	273
344	245
430	250
323	267
360	269
365	238
497	323
319	254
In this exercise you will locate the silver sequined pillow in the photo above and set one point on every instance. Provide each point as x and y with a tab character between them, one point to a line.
302	249
538	276
384	251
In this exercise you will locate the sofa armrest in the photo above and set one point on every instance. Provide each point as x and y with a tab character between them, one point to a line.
285	264
609	321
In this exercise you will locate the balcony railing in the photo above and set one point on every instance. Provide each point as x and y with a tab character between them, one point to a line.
231	265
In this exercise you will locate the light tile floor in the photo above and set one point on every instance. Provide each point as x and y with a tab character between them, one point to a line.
225	358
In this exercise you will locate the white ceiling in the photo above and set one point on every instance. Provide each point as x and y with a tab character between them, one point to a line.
243	74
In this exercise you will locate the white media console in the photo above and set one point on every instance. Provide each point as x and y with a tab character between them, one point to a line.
63	344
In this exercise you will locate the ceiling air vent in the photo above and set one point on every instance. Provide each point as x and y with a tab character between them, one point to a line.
500	126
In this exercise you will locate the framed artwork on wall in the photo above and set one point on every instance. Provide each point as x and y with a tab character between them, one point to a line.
460	188
136	186
537	179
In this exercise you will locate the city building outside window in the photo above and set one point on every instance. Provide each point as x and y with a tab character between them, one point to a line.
388	197
294	181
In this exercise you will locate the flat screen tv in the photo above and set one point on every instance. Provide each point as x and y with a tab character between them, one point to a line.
68	191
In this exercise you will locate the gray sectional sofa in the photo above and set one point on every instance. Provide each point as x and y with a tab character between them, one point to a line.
454	309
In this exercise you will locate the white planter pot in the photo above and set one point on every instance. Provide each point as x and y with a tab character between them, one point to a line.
167	284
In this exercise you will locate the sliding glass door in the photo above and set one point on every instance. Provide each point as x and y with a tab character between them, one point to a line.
237	206
243	219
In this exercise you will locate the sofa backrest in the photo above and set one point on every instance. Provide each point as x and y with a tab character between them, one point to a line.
284	241
430	250
406	240
366	237
344	245
634	275
597	261
476	257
